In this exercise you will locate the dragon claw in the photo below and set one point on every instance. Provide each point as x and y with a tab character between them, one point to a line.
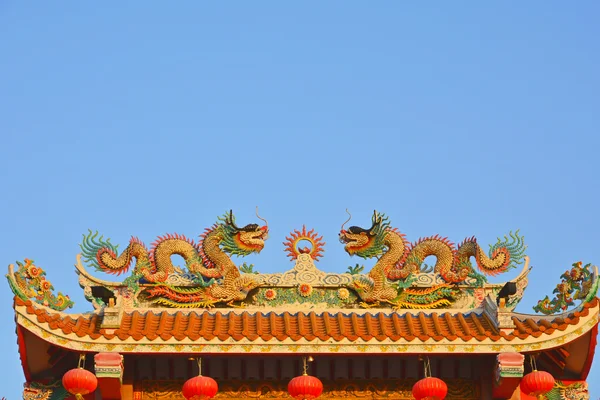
241	305
369	305
207	304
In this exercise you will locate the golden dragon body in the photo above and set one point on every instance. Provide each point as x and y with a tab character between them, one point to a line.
399	260
208	262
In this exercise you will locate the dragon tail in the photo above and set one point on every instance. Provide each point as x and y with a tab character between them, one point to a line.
103	255
503	255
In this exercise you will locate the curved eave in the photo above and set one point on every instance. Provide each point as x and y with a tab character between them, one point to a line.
563	315
522	275
591	296
82	272
583	324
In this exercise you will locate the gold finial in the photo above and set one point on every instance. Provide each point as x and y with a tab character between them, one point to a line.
306	361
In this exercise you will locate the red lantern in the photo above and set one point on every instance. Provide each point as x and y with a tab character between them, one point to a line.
537	383
200	388
79	382
305	387
430	389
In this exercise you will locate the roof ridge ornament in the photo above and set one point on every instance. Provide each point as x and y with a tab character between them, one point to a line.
296	238
400	263
579	283
210	276
399	280
29	282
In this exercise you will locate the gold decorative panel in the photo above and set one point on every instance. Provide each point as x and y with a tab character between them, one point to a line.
334	390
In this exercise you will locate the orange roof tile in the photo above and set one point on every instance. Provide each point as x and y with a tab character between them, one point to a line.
310	326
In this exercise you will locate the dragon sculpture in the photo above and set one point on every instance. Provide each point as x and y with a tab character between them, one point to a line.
29	282
216	276
578	283
573	391
39	391
399	260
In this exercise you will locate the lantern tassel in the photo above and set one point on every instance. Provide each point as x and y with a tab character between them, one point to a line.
79	396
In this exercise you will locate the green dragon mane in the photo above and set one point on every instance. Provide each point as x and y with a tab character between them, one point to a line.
515	246
226	226
90	245
378	231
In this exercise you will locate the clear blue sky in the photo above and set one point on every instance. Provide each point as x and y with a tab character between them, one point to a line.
152	117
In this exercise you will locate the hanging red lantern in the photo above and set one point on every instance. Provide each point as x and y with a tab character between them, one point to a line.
305	387
200	387
537	383
430	388
79	381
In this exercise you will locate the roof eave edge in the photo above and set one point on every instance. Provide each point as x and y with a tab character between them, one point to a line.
73	342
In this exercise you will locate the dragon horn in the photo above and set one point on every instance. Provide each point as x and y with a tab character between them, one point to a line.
231	220
376	220
348	220
261	218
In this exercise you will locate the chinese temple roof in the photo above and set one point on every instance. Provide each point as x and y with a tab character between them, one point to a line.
210	305
157	331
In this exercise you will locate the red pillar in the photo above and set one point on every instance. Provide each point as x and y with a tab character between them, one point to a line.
109	371
508	374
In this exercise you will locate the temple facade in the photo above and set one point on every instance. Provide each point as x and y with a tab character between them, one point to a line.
363	334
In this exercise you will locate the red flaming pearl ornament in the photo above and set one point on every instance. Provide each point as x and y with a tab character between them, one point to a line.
305	387
537	383
200	388
430	389
79	382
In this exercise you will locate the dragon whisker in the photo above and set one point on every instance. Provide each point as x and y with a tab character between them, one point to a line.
348	220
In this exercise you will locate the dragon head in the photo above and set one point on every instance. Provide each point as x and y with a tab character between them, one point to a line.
242	241
366	243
